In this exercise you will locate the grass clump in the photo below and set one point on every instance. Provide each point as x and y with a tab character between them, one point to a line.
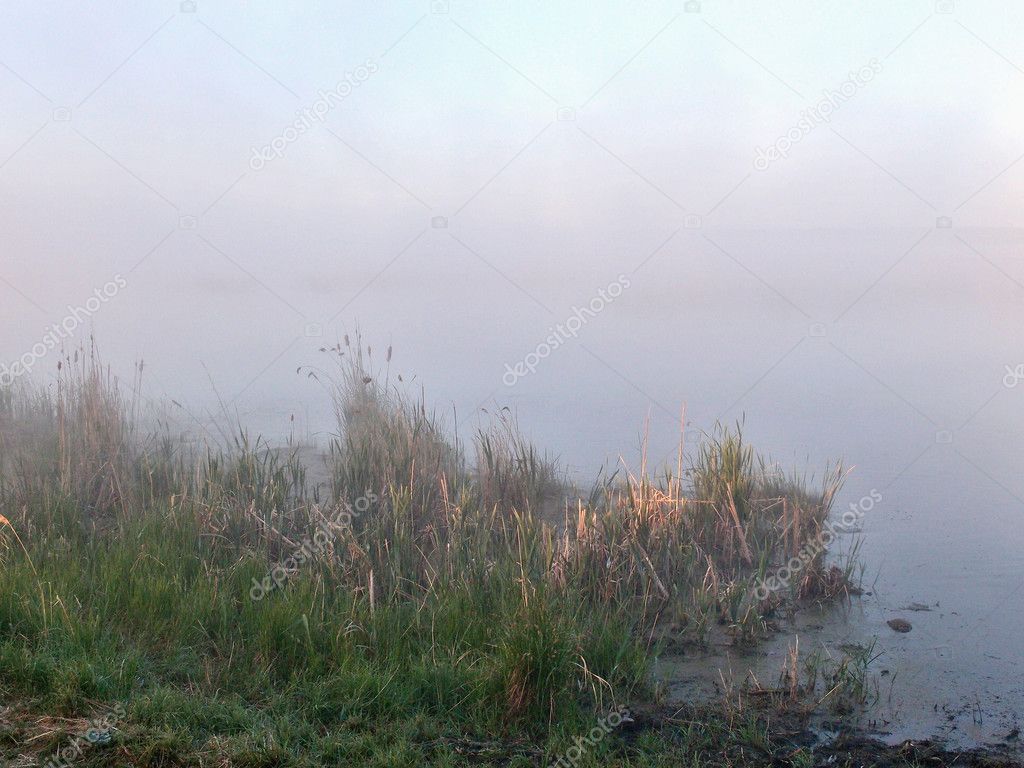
421	601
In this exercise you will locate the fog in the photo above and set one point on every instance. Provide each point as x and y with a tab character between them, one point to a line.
815	207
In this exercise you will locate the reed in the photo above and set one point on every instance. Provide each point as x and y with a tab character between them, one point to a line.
425	580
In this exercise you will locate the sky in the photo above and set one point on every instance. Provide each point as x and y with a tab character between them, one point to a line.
466	174
684	99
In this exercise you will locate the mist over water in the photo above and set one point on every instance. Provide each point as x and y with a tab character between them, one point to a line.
493	169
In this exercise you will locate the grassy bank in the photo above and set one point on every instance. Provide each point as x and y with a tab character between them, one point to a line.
431	602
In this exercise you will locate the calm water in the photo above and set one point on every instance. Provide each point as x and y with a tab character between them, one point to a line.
831	344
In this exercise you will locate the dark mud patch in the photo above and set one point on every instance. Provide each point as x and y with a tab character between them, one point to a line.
789	739
856	749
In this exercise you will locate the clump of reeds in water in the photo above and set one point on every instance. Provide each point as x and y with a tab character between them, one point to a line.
445	560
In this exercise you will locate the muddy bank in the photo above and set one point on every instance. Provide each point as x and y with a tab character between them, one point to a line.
788	738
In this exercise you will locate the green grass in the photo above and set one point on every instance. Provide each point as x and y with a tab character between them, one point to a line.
435	613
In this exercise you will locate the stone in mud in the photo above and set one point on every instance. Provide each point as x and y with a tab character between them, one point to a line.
899	625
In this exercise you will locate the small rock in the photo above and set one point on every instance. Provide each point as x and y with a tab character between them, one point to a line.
899	625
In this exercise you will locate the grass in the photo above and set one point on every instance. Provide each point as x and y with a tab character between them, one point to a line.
422	606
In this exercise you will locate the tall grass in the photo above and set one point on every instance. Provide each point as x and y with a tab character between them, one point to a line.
447	589
511	473
387	441
77	439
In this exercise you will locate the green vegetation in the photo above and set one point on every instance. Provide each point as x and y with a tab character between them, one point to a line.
420	607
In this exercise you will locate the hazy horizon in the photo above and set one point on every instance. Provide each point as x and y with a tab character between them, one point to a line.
563	144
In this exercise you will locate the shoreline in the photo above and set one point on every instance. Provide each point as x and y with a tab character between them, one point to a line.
224	597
